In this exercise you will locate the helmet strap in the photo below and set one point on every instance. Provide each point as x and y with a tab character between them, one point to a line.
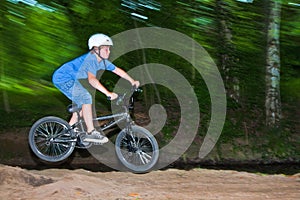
99	48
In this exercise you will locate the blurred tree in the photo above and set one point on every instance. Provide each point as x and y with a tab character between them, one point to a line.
227	48
290	56
273	99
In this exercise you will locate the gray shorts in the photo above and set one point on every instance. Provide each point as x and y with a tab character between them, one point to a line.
75	92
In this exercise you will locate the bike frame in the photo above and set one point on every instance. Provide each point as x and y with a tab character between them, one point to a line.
115	118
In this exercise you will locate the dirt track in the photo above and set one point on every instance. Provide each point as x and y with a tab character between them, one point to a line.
171	184
17	183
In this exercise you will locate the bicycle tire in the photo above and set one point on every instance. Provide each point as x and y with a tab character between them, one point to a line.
43	134
139	153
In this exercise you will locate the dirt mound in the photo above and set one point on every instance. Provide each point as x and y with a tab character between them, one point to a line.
16	176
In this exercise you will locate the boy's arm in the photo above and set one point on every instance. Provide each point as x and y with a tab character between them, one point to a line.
97	85
120	72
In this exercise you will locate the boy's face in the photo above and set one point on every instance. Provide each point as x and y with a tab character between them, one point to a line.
105	51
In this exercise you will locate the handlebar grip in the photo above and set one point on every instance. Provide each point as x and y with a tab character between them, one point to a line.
138	90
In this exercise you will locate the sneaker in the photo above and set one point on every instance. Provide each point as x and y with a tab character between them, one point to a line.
80	143
95	137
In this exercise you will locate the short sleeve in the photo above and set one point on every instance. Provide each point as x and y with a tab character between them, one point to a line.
109	66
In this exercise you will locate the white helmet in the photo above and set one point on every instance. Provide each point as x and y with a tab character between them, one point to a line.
99	39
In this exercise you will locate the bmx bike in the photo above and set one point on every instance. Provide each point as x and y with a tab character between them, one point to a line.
53	140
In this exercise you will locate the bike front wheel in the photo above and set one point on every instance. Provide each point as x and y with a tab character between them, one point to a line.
50	139
137	149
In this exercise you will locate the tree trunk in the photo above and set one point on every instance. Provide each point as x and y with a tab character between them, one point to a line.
273	101
227	58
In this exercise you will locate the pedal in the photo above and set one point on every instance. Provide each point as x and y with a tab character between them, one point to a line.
81	144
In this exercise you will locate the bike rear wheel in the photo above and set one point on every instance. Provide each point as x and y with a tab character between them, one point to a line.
137	149
50	139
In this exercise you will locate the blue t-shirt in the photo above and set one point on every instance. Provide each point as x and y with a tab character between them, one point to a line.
79	68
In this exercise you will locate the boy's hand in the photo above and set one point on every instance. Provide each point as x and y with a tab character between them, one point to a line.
112	96
136	84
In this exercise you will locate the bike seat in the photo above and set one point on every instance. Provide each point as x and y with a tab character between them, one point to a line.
73	108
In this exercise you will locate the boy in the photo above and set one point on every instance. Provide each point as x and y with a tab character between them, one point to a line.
67	80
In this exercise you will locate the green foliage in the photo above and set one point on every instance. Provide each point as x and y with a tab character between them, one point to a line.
279	144
35	44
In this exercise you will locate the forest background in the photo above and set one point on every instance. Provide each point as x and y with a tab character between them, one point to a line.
255	45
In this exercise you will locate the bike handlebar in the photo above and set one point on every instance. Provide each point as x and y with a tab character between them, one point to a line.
121	97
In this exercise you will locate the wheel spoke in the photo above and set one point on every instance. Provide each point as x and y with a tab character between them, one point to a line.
142	159
50	140
137	150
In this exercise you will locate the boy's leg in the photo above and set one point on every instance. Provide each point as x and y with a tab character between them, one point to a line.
93	136
74	118
88	116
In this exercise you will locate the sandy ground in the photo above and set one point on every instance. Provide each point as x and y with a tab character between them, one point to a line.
17	183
